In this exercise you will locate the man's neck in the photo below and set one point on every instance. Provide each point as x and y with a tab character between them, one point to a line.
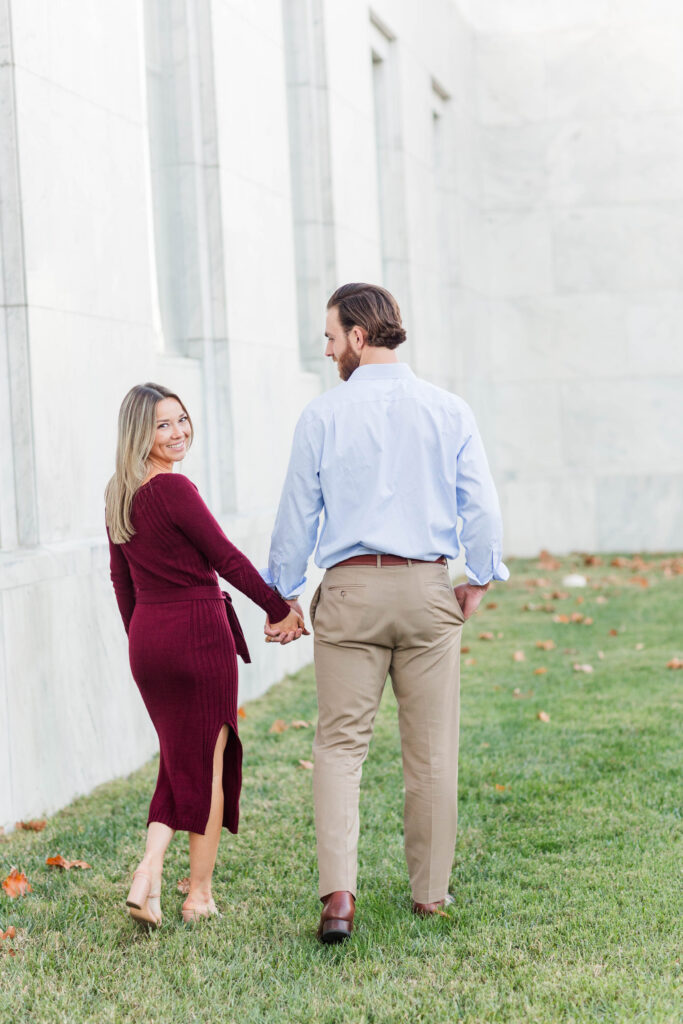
377	354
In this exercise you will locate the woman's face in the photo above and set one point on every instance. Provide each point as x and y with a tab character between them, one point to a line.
172	435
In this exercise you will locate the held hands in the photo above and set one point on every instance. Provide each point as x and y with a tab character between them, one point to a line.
288	629
469	596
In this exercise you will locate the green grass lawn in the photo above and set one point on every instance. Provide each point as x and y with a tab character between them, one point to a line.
567	877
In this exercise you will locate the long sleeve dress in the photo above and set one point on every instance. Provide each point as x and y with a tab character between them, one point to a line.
182	651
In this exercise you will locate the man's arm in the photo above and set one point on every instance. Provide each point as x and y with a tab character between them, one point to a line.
296	525
482	529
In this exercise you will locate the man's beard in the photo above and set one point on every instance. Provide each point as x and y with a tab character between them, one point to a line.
348	362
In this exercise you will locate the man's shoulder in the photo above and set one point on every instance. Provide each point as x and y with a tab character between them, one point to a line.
438	397
320	406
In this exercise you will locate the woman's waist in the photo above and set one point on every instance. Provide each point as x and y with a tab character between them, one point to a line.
175	593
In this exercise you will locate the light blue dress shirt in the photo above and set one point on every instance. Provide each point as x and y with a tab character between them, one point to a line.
392	461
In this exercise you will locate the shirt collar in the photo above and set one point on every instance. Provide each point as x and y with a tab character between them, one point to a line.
381	371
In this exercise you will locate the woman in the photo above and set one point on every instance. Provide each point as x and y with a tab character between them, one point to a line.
164	546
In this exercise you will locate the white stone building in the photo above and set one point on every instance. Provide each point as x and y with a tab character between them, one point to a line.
183	182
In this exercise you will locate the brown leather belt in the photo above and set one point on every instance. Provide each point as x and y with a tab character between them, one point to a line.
380	560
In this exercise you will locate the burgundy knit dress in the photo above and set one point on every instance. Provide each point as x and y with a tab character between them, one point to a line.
182	650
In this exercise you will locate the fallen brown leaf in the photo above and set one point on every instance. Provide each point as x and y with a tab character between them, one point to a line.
491	605
10	933
547	562
577	617
559	595
35	825
613	632
16	884
66	865
583	668
540	671
486	636
183	885
561	618
546	645
518	695
299	723
519	656
592	560
674	663
278	726
241	713
500	787
639	581
543	716
308	765
470	661
620	563
464	650
588	621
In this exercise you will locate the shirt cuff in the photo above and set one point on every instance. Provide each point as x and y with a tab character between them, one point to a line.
496	571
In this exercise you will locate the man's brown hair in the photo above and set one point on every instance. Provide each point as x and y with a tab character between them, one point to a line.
372	308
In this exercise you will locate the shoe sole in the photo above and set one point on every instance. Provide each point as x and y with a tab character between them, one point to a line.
334	932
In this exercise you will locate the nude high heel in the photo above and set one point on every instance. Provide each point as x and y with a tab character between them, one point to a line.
138	900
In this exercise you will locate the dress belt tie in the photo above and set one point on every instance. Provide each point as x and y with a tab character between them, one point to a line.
179	594
167	595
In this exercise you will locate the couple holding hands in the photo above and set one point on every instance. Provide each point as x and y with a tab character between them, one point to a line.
394	462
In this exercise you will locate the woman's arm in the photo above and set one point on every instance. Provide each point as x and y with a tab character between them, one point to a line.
187	510
123	584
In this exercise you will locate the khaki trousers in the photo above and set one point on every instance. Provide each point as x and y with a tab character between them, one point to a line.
403	621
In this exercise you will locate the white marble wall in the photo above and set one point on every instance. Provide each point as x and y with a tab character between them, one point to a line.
580	110
84	317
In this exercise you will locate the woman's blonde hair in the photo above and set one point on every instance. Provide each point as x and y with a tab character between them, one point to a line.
137	430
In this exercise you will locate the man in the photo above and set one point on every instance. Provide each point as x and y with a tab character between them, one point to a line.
393	461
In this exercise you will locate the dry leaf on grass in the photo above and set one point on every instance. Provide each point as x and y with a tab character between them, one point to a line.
491	605
640	647
241	713
308	765
183	886
470	661
519	656
486	636
10	933
500	787
35	825
639	581
547	562
464	650
66	865
592	560
16	884
546	645
540	671
278	726
299	723
518	695
561	618
613	632
588	621
583	668
543	716
601	599
674	663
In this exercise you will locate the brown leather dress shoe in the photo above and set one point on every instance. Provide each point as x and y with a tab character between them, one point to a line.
336	920
427	909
